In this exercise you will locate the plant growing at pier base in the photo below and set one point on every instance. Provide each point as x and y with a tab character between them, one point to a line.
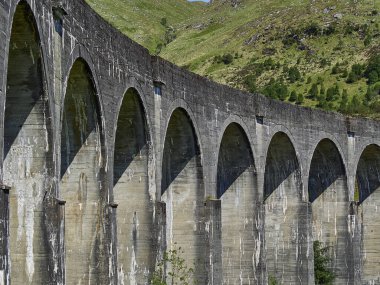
322	273
173	268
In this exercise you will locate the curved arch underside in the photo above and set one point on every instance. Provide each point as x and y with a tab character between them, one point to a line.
237	189
27	150
328	194
131	191
183	191
81	176
285	214
368	195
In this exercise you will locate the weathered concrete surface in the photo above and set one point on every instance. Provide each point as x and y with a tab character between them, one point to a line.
368	196
285	231
135	237
81	176
27	149
182	191
328	196
69	135
237	189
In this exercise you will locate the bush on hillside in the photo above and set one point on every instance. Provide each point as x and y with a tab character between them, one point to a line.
250	83
355	74
294	74
276	90
372	72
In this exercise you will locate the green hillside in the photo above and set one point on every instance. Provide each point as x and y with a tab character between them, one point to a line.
314	53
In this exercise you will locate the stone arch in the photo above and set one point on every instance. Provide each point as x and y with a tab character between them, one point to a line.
182	189
131	191
82	175
237	190
367	195
28	160
328	195
285	213
180	104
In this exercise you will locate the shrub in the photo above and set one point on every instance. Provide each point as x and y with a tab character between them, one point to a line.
250	83
293	96
313	93
312	29
330	94
373	66
164	22
294	74
373	77
276	90
226	58
272	280
355	74
300	99
367	41
343	102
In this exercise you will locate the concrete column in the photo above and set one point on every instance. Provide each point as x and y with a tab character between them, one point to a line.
4	235
160	230
213	223
54	219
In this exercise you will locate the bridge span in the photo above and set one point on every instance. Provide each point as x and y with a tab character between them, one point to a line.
111	156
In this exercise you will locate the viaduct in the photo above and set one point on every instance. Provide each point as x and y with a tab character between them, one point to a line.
111	156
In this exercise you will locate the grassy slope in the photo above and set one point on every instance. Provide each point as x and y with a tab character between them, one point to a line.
205	31
140	19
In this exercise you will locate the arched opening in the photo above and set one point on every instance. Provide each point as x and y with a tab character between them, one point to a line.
183	191
367	194
328	195
27	149
237	189
81	175
131	192
285	214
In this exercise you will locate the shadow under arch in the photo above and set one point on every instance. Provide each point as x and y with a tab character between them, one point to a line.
367	173
81	113
182	189
136	256
132	132
181	145
235	157
326	167
286	215
237	189
28	153
82	176
330	206
280	163
367	195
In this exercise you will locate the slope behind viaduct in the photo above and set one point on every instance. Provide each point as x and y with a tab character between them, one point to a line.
111	156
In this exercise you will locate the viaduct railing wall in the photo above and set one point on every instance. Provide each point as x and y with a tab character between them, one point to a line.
114	156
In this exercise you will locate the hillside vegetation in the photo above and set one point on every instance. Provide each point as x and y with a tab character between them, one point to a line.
321	53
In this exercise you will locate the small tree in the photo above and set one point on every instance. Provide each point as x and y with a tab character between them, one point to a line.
323	274
300	99
313	93
178	272
250	83
294	74
293	96
344	101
